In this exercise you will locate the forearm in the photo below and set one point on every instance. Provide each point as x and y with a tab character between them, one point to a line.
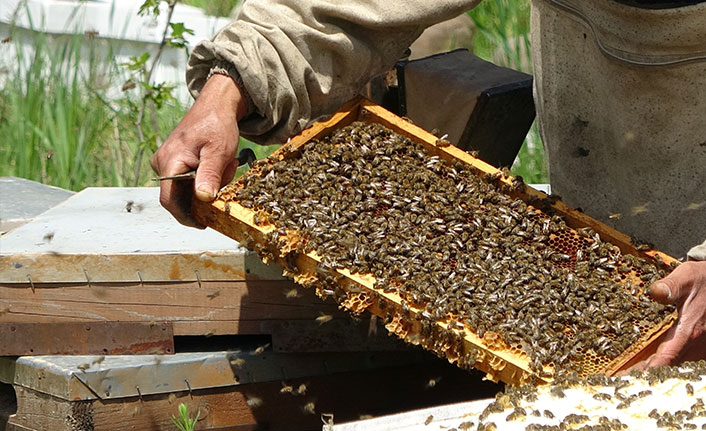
301	60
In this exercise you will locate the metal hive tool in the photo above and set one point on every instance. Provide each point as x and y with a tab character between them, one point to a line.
448	335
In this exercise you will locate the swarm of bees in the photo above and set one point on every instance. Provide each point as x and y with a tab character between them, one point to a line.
625	409
455	246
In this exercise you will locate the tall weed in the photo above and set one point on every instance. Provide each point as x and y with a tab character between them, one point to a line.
502	37
57	123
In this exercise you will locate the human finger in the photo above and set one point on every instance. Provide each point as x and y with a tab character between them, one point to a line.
216	161
674	288
176	197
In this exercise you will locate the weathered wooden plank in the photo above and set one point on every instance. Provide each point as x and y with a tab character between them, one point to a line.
76	338
210	301
281	309
348	395
84	239
37	411
114	377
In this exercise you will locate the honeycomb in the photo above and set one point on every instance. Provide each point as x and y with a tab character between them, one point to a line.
368	176
660	398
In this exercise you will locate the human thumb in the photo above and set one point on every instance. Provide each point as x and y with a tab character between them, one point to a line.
661	292
673	287
213	166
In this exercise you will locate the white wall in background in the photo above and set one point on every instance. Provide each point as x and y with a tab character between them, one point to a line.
117	25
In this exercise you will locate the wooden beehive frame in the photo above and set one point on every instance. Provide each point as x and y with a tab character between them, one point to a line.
503	364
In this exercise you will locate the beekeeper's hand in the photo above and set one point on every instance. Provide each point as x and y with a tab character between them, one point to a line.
206	139
685	287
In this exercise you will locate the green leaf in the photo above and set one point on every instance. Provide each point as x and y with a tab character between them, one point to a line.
137	63
149	7
184	422
179	29
159	93
177	38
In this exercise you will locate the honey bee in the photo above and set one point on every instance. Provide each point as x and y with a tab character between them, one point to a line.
431	383
695	206
639	209
602	396
443	142
309	408
130	206
261	349
253	401
514	416
237	362
214	295
324	318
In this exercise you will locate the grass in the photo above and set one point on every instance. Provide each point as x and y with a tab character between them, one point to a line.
502	36
55	123
185	422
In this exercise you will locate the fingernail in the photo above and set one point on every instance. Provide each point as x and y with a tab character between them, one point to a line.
204	192
661	289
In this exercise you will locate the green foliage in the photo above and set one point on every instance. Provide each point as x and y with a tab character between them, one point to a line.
176	39
503	32
137	63
149	7
502	37
60	126
184	422
57	122
214	7
160	93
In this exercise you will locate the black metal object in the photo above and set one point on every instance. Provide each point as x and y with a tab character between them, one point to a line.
481	106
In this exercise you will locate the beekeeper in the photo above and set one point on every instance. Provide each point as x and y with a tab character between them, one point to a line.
620	91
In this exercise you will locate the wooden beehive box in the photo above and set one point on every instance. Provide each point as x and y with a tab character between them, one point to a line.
501	362
90	277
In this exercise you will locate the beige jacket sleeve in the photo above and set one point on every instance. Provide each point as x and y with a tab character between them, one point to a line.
698	252
302	59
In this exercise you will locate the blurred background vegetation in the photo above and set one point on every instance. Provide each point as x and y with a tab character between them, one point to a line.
60	126
214	7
